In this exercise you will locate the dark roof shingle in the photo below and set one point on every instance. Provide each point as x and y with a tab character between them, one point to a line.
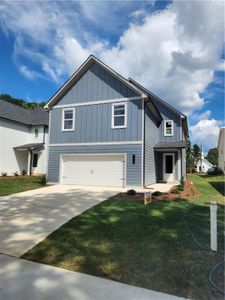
36	116
166	145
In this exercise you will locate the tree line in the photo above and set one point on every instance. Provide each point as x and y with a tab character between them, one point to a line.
21	102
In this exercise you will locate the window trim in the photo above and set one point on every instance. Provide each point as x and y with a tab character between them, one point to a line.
63	119
172	128
113	116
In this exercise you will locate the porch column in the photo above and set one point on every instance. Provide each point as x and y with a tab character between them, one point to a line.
29	162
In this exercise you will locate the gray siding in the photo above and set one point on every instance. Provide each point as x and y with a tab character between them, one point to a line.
96	84
168	114
93	124
133	171
151	138
183	163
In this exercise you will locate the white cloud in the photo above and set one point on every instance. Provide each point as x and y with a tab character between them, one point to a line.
205	133
27	72
202	116
171	53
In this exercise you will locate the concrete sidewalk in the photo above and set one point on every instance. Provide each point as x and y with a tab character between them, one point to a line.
25	280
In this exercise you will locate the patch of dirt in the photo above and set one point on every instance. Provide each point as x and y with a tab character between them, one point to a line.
124	196
189	191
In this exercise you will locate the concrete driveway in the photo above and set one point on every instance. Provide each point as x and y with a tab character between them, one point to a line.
27	218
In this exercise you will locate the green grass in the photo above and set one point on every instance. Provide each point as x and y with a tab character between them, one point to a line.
211	188
12	185
146	246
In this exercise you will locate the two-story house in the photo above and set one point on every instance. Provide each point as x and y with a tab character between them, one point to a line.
23	139
106	130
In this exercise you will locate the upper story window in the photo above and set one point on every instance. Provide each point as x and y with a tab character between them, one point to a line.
168	128
68	119
119	115
36	132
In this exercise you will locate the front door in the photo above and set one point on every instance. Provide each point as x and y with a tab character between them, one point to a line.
168	167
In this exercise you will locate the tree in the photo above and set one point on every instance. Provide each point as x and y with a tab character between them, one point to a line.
21	102
196	151
212	156
190	159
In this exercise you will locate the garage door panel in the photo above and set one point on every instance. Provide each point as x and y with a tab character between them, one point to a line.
98	170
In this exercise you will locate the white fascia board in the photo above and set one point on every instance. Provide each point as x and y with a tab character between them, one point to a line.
118	100
96	144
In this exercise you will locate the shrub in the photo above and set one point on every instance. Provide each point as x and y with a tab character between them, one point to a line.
24	172
175	191
215	171
182	180
4	174
131	192
16	173
43	180
157	193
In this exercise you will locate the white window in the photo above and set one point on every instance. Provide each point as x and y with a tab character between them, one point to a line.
68	119
119	115
168	128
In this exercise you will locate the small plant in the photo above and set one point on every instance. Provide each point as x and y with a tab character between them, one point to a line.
43	180
182	180
131	192
175	191
4	174
157	193
24	172
16	173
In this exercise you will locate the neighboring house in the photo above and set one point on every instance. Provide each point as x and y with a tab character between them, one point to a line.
106	130
221	149
203	165
23	139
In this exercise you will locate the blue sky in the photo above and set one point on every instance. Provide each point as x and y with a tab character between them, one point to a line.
155	42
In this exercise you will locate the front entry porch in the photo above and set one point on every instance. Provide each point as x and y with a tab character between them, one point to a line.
28	157
170	162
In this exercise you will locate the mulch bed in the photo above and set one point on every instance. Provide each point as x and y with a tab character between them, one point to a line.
189	191
16	177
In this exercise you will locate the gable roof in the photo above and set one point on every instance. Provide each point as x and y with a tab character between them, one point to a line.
164	103
36	116
80	71
156	97
204	160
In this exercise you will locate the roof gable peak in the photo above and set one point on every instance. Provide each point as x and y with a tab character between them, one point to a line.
78	74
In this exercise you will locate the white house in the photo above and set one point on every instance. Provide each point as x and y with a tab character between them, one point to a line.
221	149
203	165
23	139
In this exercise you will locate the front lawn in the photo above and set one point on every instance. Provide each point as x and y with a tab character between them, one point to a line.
146	246
12	185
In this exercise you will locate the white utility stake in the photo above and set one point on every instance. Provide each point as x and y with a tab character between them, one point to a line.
213	226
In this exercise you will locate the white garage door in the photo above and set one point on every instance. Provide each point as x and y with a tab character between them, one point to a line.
96	170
